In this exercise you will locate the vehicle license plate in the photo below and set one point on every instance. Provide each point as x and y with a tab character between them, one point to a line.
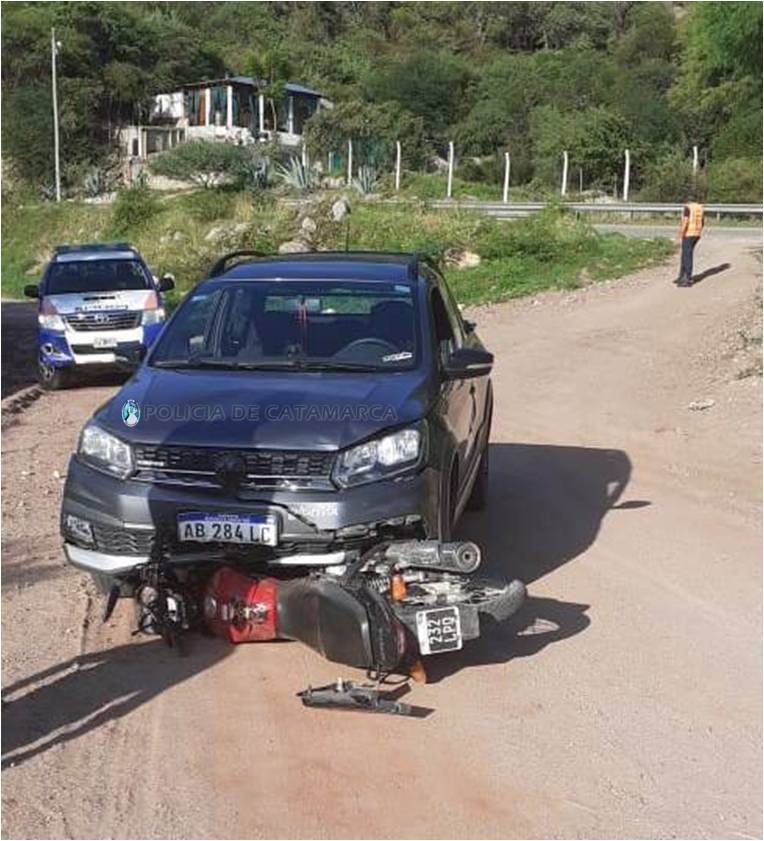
228	528
438	630
104	343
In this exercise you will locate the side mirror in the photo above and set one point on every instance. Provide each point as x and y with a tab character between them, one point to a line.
32	290
166	283
130	358
467	362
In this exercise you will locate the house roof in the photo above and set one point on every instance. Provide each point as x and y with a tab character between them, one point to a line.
291	87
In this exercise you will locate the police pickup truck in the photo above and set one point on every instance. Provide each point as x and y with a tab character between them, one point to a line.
97	303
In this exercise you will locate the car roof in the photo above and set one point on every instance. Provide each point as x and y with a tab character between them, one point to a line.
327	265
94	251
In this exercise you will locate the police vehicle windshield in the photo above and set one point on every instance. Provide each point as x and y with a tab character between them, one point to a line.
77	276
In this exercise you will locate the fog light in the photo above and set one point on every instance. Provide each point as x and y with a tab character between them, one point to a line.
79	529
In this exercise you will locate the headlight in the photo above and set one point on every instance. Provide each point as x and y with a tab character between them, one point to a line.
153	316
381	458
105	452
51	322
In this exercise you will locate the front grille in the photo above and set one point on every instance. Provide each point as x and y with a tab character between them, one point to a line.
198	466
90	321
116	541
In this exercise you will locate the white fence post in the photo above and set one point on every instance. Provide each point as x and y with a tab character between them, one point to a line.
626	174
350	162
507	164
450	185
564	185
304	156
397	165
694	160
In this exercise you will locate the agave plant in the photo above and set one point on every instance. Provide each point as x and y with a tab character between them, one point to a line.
366	181
94	184
296	174
255	172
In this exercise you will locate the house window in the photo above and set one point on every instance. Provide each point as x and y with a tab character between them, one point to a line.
304	107
135	147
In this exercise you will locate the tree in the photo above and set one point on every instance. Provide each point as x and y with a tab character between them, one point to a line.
373	129
270	67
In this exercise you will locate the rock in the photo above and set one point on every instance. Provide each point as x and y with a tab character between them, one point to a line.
438	163
177	235
333	182
461	259
340	209
56	474
214	233
309	225
239	228
293	246
701	405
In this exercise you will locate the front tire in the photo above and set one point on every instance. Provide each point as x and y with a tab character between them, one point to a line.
479	496
52	378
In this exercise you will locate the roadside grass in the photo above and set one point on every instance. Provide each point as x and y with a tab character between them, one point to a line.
185	233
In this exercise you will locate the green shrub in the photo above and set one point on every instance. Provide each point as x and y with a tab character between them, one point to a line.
202	162
208	205
670	179
133	209
735	180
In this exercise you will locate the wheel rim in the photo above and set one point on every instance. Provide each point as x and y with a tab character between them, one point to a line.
47	372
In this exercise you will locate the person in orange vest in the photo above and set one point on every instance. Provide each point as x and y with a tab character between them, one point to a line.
688	236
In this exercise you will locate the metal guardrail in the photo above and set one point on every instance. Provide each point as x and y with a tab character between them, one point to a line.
522	208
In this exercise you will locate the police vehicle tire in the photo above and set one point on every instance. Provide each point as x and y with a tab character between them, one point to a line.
52	379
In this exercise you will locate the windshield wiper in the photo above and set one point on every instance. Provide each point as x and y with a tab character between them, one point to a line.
193	363
295	364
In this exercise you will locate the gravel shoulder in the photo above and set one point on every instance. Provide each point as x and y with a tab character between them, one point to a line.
625	700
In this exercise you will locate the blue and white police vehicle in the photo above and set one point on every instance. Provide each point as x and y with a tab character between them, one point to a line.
97	304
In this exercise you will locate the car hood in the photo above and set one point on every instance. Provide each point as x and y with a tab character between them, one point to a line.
285	410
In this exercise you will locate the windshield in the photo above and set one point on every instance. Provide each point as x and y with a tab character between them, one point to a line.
96	276
339	325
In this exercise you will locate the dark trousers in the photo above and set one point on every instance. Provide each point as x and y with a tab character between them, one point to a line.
688	246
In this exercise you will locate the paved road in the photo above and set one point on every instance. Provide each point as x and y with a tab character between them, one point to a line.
712	233
625	700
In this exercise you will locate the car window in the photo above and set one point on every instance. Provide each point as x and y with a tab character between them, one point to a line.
342	323
444	331
454	315
79	276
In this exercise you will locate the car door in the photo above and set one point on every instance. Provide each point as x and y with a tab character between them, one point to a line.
456	408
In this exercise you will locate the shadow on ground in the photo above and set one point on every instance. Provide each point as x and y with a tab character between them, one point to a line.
77	696
545	507
722	267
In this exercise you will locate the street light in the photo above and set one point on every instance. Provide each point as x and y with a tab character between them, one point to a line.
55	46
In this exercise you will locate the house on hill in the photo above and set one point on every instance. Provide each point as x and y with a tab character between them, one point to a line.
233	110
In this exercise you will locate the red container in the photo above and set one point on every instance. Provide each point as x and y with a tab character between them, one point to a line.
239	608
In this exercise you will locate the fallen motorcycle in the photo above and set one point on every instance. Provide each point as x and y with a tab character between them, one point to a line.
382	611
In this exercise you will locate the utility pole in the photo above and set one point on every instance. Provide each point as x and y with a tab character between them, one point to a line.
695	160
505	195
350	162
53	52
397	165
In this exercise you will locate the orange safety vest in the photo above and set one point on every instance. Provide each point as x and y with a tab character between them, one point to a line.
695	219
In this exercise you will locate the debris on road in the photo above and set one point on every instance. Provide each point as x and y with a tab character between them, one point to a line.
701	405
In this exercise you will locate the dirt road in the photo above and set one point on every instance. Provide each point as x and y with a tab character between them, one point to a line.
625	701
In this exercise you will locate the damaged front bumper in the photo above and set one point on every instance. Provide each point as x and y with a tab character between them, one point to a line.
111	526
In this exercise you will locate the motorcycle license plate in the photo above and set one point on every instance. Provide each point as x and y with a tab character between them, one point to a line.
438	630
228	528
